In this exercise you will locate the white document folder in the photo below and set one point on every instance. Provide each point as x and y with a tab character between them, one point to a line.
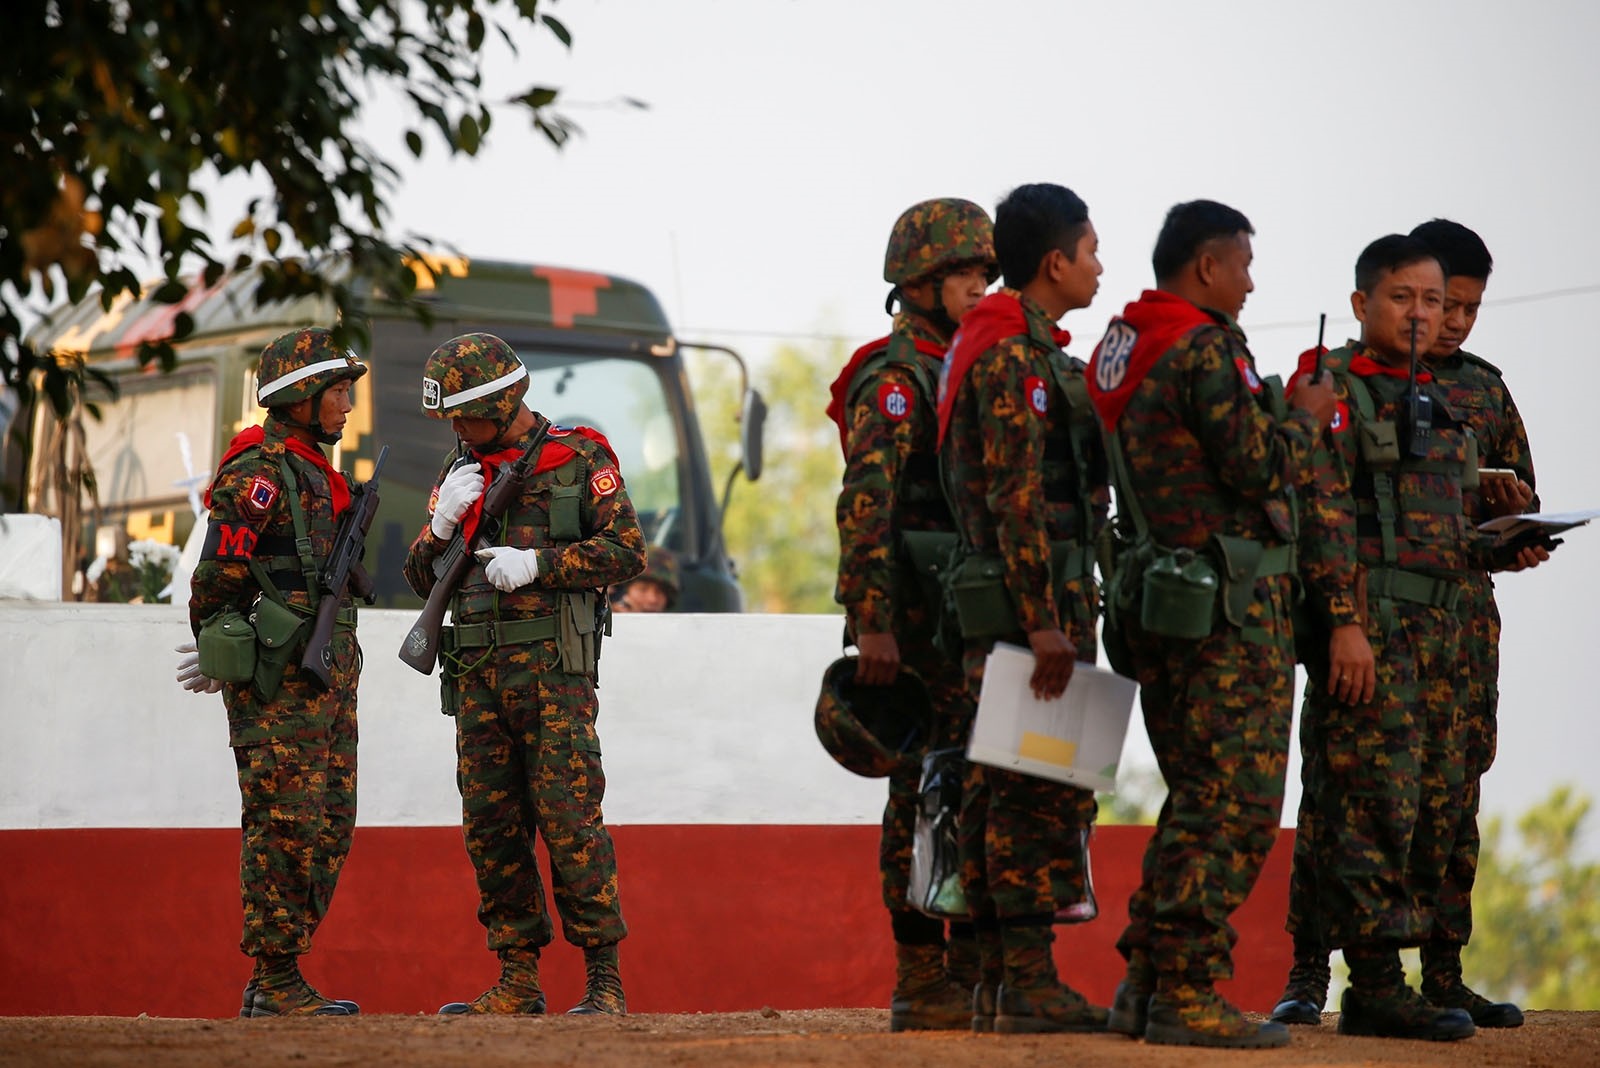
1076	738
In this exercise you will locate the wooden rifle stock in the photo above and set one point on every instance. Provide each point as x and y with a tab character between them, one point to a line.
420	650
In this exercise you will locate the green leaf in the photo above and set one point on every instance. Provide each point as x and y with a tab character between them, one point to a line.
414	143
557	28
467	135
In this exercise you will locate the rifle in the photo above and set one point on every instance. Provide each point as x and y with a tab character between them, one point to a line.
420	650
344	570
1420	426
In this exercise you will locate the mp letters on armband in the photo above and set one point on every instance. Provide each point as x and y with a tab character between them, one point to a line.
228	541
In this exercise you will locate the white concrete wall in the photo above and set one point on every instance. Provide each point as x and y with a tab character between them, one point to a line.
704	719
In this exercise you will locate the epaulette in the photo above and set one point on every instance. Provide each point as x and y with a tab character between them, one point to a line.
1480	362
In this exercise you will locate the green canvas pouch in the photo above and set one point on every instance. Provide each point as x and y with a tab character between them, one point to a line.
279	630
1179	595
977	589
1239	557
227	647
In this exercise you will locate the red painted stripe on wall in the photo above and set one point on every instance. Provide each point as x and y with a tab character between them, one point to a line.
722	918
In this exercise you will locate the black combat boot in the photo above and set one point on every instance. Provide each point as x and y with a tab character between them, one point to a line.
1032	998
516	994
1380	1004
278	989
1442	986
1306	992
602	995
1130	1008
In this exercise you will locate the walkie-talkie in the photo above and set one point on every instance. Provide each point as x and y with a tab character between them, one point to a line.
1421	409
1322	327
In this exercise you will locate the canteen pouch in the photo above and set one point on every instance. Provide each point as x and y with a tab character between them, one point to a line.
1240	558
1380	441
977	590
576	635
227	647
934	887
927	555
1178	597
279	630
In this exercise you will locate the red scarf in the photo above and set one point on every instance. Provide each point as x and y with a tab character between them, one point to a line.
1139	338
997	317
1361	365
252	437
552	454
840	389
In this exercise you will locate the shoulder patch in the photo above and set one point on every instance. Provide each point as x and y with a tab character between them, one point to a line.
1252	381
1037	394
605	482
1111	362
260	495
1341	418
559	431
894	400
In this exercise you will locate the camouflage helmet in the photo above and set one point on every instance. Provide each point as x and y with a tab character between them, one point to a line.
474	376
661	566
872	730
937	235
302	363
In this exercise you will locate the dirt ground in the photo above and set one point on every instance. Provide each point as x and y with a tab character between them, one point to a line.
835	1038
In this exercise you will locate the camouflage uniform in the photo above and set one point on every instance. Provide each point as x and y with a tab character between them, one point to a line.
1025	470
1383	781
884	403
295	750
891	484
1475	390
1207	457
528	757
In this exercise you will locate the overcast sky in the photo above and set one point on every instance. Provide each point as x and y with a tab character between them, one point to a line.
783	138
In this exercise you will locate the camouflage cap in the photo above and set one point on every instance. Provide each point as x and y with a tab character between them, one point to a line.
474	376
937	235
661	565
872	730
301	364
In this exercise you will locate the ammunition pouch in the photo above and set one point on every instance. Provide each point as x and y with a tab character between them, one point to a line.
1243	562
1379	441
279	630
927	555
578	633
227	647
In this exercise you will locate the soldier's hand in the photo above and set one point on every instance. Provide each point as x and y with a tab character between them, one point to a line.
879	662
1528	556
1315	396
507	568
189	676
456	493
1352	671
1504	496
1053	658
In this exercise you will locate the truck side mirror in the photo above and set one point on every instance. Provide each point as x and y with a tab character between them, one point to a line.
752	423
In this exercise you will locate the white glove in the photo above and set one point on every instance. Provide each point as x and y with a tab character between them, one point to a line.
509	569
456	493
189	676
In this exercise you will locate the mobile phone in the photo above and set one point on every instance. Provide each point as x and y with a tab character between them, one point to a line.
1497	472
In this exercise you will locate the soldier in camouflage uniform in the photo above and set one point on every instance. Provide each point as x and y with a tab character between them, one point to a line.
1026	473
1385	716
656	588
1473	389
1204	464
518	669
940	259
295	746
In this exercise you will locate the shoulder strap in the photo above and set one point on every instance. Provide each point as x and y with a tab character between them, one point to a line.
302	536
1080	420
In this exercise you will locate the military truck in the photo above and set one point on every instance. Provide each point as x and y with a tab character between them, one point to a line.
599	352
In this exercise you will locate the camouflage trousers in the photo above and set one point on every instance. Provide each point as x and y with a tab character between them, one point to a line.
296	761
528	764
952	711
1218	712
1381	808
1021	837
1479	664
